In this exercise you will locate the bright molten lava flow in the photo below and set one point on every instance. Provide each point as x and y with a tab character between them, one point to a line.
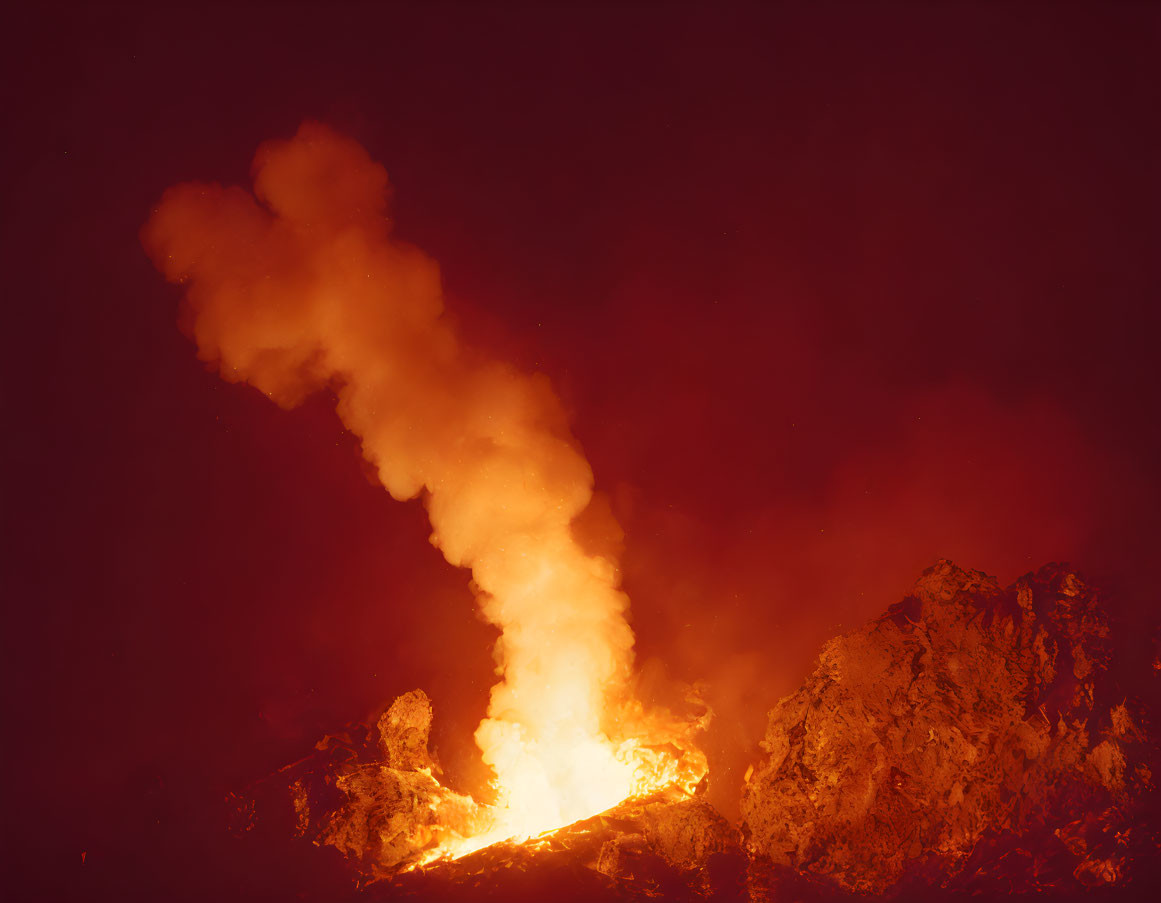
612	776
300	286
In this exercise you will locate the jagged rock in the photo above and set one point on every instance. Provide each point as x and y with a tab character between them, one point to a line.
404	730
686	833
619	853
965	725
969	739
386	818
369	793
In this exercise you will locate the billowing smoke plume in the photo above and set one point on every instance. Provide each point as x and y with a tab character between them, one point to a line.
299	287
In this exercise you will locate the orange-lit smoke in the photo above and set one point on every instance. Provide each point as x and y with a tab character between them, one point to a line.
300	286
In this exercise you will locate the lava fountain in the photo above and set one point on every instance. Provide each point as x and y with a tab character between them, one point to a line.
299	286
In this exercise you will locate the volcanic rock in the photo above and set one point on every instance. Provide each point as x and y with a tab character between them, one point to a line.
367	792
667	846
404	730
970	739
964	739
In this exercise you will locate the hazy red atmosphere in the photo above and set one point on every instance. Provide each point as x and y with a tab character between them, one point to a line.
827	293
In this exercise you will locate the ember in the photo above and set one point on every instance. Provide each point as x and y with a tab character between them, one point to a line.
300	287
967	740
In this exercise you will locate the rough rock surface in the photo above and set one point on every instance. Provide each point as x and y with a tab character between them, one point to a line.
404	730
367	792
971	739
962	737
668	846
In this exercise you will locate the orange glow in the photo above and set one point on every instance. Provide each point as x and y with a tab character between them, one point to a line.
300	286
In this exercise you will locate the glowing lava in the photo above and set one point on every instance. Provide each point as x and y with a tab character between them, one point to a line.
635	772
299	287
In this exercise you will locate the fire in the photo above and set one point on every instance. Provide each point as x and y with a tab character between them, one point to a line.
299	287
463	827
634	771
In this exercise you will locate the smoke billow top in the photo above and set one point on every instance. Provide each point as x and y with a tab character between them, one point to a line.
299	286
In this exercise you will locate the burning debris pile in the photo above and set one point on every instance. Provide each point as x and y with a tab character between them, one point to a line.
967	736
379	804
371	794
667	846
301	286
965	740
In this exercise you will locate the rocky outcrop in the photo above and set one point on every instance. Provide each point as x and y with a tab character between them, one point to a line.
404	730
970	739
963	736
368	792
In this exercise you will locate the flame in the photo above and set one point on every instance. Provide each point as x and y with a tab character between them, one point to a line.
300	286
463	827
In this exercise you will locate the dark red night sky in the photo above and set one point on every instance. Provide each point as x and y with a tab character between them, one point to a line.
830	291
